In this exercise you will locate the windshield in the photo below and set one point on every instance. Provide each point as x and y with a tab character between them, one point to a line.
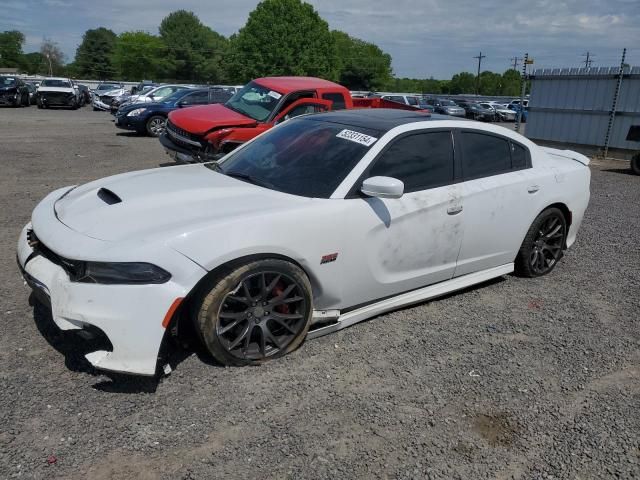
56	83
448	103
254	101
7	81
107	86
302	157
160	93
412	100
175	96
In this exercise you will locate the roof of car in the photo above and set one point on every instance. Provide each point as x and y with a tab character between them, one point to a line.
381	119
292	84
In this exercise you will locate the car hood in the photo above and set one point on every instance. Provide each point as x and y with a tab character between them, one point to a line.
55	89
202	119
11	89
112	93
128	107
164	203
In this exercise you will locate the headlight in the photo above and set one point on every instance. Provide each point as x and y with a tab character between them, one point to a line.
127	273
136	112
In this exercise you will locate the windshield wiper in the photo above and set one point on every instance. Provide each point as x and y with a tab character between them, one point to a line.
247	178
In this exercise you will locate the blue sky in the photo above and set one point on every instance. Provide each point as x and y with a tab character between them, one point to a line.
425	37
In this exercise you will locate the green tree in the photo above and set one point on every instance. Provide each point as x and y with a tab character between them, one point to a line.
283	37
11	48
511	83
490	83
34	63
193	50
362	65
138	56
463	82
93	56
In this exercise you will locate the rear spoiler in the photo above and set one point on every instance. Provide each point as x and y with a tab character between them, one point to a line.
570	154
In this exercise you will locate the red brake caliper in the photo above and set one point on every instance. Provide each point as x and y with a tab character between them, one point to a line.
278	290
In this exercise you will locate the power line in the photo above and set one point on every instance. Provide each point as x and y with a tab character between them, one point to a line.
479	57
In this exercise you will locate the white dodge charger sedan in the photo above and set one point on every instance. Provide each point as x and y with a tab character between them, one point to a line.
317	224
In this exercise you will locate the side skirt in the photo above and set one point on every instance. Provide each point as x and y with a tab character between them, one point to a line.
409	298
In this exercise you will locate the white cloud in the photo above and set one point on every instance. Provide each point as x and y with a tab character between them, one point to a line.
424	37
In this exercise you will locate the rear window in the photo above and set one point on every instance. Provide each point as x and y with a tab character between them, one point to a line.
484	155
519	157
337	99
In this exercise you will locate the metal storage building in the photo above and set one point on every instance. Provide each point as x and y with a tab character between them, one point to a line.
575	106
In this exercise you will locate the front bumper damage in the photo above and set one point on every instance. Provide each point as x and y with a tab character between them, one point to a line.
183	146
132	317
9	98
57	99
100	105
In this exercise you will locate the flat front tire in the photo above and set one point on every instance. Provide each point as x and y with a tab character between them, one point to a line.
256	312
543	245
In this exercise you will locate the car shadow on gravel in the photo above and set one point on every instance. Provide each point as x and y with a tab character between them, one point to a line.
128	134
75	344
625	171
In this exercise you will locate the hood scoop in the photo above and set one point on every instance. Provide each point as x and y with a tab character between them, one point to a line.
108	197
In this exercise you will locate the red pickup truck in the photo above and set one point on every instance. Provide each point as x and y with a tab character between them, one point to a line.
207	132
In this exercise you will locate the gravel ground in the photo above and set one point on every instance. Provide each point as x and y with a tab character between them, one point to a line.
512	379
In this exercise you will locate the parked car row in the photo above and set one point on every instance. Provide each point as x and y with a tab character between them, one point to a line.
50	92
487	111
150	117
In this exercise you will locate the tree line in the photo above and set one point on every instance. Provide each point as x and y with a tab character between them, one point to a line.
280	37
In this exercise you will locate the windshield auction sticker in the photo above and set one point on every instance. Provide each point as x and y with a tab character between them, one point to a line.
357	137
275	95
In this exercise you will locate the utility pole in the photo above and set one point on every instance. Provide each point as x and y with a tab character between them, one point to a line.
479	57
614	106
588	59
516	60
523	86
50	68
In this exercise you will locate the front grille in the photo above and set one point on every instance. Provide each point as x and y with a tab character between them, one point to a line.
106	99
180	136
56	97
74	268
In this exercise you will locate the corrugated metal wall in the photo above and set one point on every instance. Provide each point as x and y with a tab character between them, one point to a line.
574	106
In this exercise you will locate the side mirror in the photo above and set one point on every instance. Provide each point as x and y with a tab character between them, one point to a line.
383	187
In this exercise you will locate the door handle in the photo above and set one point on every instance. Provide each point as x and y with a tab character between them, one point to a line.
454	210
533	188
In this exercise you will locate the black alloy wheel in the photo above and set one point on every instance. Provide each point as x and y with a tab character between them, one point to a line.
635	164
261	318
543	245
258	312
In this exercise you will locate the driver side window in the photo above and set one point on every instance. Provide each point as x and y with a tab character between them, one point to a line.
295	97
421	160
